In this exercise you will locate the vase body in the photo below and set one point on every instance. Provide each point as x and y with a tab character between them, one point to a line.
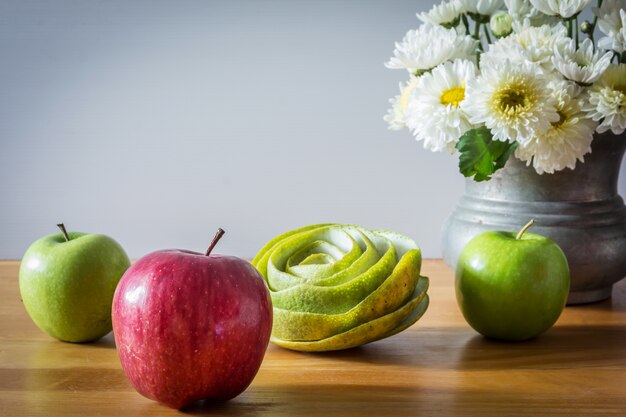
580	209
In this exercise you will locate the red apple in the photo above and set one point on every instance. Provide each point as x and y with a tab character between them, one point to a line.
191	326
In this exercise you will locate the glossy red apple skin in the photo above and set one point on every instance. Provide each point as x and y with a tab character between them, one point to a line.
190	327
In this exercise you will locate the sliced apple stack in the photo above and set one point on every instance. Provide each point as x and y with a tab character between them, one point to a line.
339	286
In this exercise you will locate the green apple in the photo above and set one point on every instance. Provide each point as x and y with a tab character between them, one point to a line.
512	287
67	282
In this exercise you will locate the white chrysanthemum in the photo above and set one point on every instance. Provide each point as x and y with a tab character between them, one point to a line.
446	14
482	7
612	22
429	46
607	100
582	65
562	8
434	114
512	100
527	44
567	140
396	115
518	9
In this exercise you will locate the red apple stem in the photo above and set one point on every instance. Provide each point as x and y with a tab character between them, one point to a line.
217	237
64	231
526	227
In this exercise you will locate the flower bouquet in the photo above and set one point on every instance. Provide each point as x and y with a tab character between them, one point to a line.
494	78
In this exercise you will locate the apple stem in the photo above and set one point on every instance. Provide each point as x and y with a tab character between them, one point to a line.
526	227
217	237
65	234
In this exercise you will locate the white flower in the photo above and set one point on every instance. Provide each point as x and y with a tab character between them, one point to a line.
563	8
612	22
581	65
524	13
527	44
482	7
512	100
434	112
607	100
446	13
396	115
501	24
505	49
566	140
429	46
518	9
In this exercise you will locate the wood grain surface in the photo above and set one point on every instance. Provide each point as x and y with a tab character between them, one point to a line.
440	366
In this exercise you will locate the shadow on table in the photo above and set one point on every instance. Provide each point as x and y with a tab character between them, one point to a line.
236	407
560	347
462	348
315	399
107	341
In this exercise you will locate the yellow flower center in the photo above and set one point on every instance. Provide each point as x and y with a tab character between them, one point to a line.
615	78
581	60
513	99
454	96
562	119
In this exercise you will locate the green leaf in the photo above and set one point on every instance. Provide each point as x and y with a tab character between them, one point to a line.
508	149
480	155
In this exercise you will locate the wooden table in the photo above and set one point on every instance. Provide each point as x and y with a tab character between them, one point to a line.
439	366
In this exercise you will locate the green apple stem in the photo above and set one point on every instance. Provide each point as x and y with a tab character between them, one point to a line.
217	237
64	231
526	227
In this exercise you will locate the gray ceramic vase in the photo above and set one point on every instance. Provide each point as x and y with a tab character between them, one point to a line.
580	209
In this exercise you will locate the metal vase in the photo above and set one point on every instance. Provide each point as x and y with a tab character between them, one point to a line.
580	209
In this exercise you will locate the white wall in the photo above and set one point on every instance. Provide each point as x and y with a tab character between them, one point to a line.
155	122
